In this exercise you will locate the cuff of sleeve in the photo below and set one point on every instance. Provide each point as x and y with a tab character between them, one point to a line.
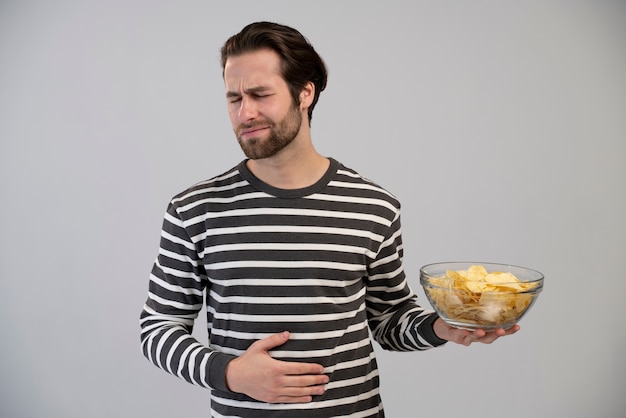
216	370
427	331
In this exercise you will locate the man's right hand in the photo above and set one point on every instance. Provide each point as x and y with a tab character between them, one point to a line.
256	374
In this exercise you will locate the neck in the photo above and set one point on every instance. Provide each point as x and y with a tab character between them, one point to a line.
295	167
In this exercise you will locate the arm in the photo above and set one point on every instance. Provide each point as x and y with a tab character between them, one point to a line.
397	321
175	298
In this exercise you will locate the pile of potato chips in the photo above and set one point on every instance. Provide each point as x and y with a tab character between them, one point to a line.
480	297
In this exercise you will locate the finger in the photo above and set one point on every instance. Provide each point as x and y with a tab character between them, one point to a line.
272	341
296	369
497	333
298	389
291	399
501	332
298	392
467	337
306	381
479	333
489	338
475	336
513	329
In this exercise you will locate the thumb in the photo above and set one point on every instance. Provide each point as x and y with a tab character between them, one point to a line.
272	341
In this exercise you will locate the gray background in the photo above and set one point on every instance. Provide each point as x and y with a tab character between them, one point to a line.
501	126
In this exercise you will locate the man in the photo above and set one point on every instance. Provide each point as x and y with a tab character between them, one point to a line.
299	257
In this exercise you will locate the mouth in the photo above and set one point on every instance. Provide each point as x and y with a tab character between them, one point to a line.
251	131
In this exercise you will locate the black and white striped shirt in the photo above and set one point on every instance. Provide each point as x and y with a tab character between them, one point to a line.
323	262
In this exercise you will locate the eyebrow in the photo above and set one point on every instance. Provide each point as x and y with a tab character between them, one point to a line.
251	90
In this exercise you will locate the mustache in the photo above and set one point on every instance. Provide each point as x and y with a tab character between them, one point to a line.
254	124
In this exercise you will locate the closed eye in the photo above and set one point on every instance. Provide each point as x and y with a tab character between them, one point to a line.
235	98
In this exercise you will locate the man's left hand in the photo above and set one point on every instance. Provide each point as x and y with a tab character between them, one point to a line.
467	337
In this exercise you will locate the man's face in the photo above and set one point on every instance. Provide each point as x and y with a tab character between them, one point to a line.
264	117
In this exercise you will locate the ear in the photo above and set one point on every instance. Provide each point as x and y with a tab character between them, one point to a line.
306	95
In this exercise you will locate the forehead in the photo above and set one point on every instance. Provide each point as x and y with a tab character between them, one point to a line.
262	66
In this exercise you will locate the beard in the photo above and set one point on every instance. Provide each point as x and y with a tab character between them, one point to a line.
281	134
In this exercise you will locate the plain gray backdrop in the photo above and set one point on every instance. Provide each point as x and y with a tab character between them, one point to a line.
500	125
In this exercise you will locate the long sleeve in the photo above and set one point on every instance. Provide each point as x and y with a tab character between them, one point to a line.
397	322
175	298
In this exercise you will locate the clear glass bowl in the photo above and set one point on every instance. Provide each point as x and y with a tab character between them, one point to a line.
480	306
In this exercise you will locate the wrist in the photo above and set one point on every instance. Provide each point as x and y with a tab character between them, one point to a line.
427	330
217	371
441	329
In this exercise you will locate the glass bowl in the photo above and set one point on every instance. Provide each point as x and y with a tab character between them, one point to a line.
498	301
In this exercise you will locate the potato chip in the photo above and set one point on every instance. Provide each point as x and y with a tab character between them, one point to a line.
477	296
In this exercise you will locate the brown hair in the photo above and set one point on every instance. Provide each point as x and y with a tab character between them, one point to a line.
300	62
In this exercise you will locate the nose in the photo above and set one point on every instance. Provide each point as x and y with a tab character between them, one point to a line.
247	109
